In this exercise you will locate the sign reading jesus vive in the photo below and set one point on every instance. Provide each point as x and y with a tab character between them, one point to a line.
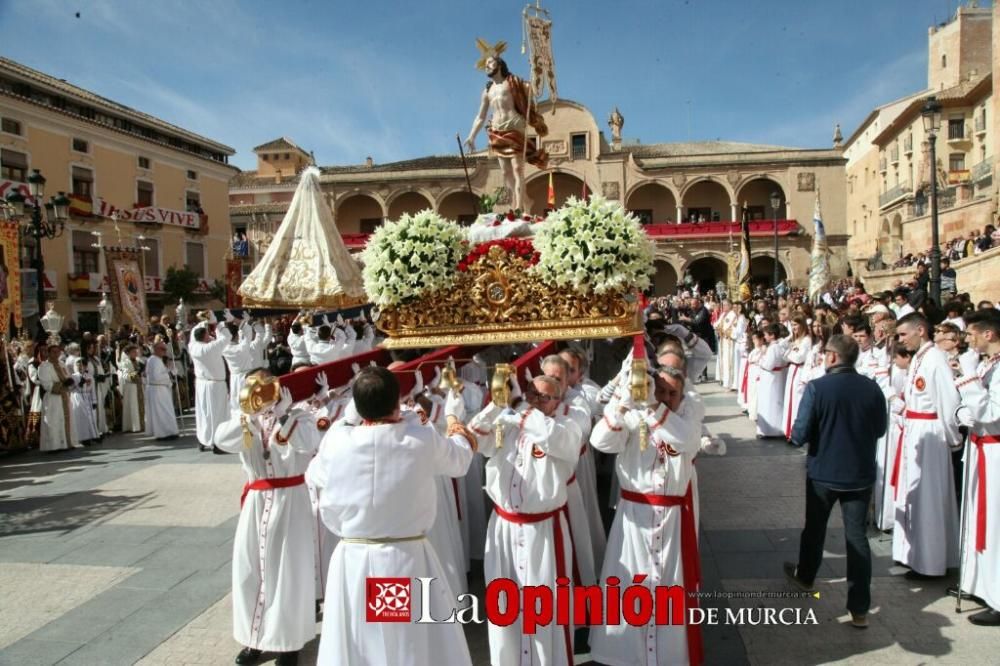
150	214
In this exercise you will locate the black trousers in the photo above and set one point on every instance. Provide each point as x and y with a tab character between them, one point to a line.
854	509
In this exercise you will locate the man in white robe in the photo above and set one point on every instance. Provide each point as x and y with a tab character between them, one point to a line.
326	343
698	353
771	385
83	403
242	355
376	484
581	492
980	411
130	389
655	527
161	421
925	536
273	557
56	432
528	539
297	345
211	405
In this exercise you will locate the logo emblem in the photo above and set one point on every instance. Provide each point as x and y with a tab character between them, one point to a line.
388	599
920	383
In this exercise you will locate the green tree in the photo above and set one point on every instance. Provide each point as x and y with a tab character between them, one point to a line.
181	283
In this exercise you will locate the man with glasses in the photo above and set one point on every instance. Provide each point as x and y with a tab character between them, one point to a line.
925	536
840	419
528	538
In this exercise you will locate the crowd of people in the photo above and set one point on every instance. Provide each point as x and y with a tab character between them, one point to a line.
74	390
935	369
955	249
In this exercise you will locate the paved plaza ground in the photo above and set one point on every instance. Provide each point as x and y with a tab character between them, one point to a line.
121	554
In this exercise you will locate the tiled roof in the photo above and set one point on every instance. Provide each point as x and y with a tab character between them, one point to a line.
281	143
22	71
965	93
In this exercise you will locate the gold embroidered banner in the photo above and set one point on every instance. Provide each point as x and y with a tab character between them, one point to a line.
10	278
128	292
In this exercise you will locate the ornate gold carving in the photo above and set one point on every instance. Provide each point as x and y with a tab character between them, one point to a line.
500	300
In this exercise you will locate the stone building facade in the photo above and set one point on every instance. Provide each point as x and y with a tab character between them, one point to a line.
666	184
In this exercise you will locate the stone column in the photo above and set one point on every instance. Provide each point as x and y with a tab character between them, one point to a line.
680	212
733	212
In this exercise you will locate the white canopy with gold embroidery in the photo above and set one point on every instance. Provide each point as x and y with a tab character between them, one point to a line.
307	264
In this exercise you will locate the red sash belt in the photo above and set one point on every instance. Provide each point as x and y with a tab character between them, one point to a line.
271	484
791	401
525	518
894	482
690	559
921	416
746	379
779	368
980	441
572	479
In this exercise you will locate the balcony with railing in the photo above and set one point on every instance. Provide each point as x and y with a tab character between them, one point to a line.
894	194
959	132
882	164
980	124
982	170
959	177
894	154
908	145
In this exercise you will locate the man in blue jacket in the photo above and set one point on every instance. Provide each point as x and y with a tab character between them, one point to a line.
841	417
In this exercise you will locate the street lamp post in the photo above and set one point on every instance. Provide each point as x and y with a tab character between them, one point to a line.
51	225
932	123
775	203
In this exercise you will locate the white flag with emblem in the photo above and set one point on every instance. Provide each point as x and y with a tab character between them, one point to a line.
819	269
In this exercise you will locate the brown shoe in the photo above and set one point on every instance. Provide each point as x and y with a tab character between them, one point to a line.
859	620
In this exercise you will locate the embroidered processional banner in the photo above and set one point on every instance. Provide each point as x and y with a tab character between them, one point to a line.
10	278
128	291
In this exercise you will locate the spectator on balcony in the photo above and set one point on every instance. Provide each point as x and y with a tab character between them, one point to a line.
948	279
920	282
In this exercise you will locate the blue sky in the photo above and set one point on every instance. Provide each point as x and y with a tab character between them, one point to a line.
396	80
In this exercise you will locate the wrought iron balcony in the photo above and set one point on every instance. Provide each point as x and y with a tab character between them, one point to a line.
894	194
982	170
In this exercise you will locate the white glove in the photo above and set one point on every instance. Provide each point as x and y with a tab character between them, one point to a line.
515	388
322	384
608	391
326	321
355	368
969	363
507	417
964	417
372	363
627	402
418	384
340	319
527	375
338	336
436	379
284	403
454	405
228	316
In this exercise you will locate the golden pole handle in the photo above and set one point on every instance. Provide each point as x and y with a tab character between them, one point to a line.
640	394
500	393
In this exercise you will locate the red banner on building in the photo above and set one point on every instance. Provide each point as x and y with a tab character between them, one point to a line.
10	278
234	278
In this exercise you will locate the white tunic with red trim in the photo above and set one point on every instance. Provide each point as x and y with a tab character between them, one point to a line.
770	392
274	587
646	539
925	536
445	533
377	483
751	379
888	447
981	565
585	514
528	475
795	384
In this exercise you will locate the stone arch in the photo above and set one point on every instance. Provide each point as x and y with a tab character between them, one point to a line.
459	205
665	278
707	195
656	198
762	270
895	236
566	184
884	235
756	193
359	213
410	201
707	270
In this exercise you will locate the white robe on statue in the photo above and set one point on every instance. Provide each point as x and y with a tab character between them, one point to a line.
646	538
160	418
528	476
981	558
273	559
55	433
211	406
925	536
770	392
376	484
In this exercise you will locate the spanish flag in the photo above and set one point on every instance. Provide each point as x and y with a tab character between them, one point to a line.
551	201
81	205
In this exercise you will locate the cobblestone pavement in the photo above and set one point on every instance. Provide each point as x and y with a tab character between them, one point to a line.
120	554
